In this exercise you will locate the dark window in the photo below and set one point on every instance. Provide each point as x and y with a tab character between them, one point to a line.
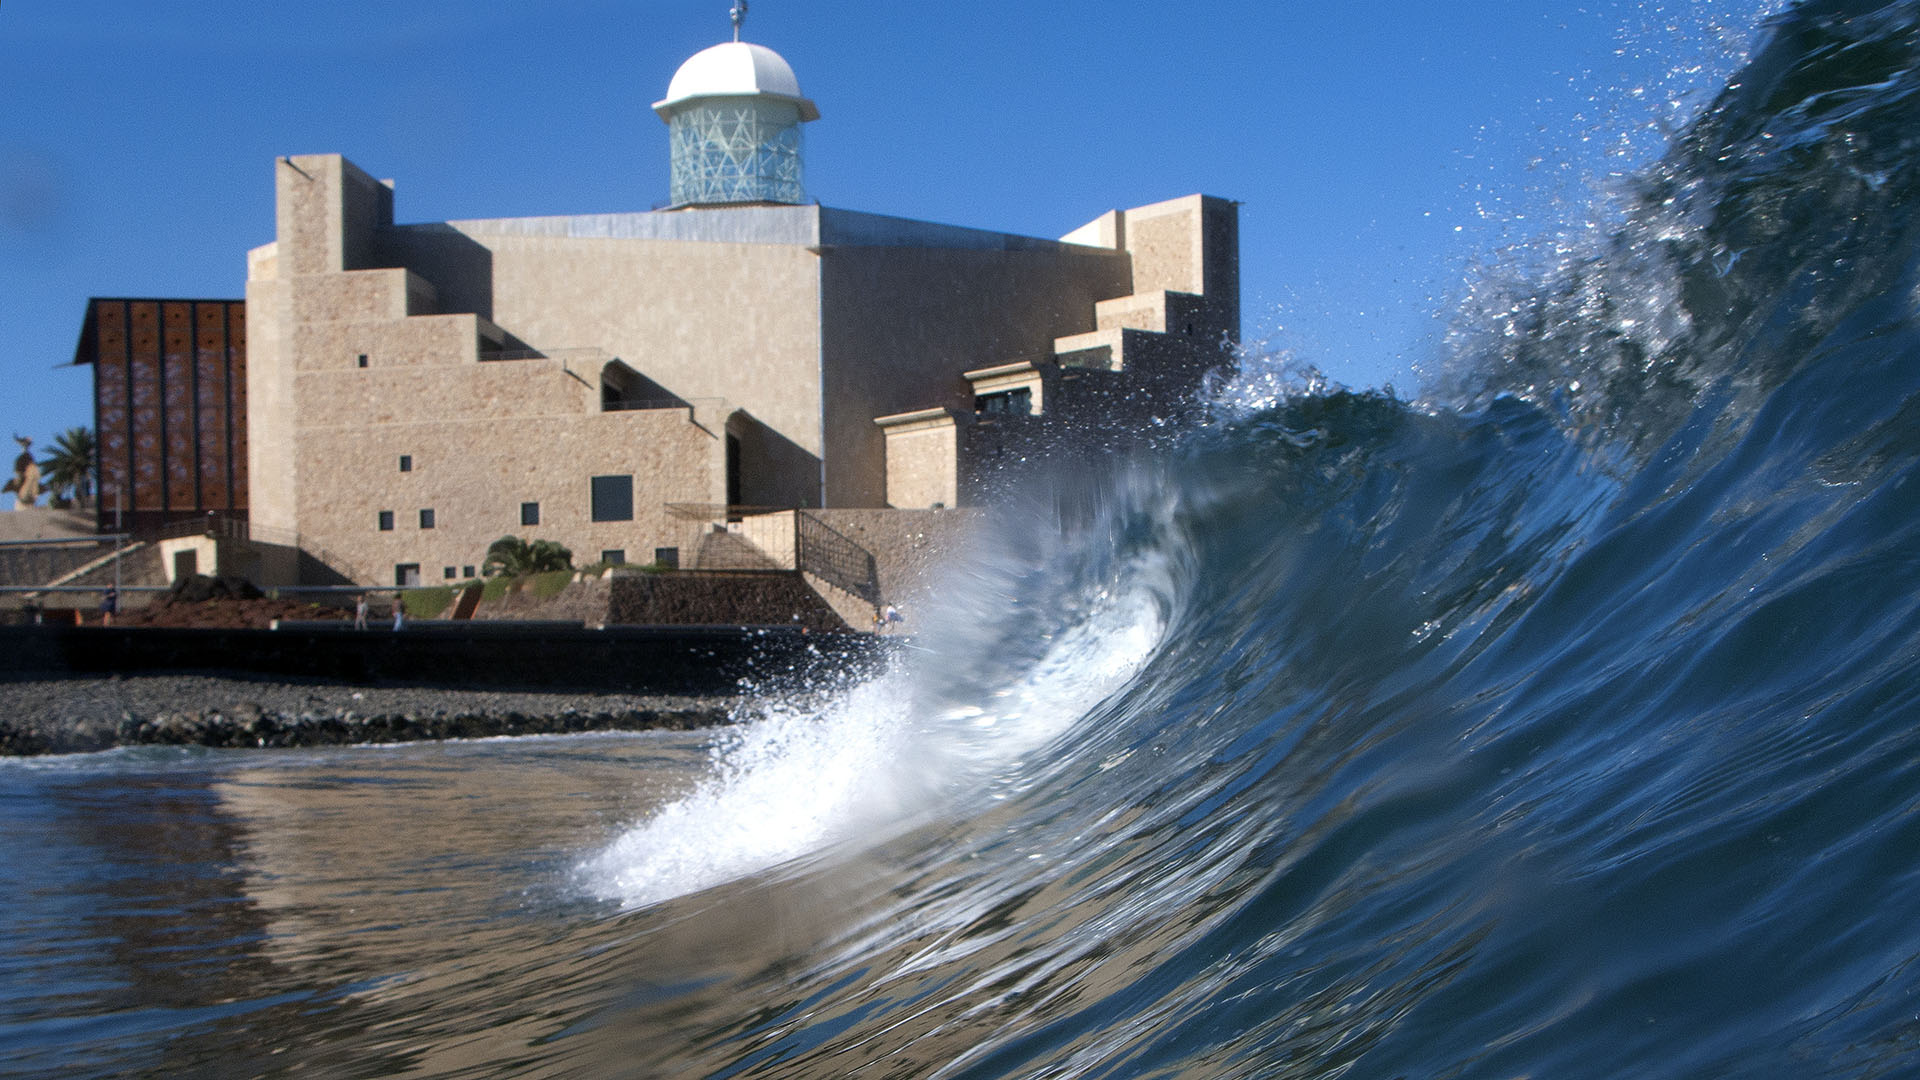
1005	403
386	521
406	462
613	498
667	557
406	575
467	572
363	359
449	573
614	557
530	513
426	519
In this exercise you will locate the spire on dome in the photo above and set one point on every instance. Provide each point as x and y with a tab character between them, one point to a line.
739	16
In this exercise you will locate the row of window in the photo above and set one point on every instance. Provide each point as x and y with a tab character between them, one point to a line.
385	520
612	501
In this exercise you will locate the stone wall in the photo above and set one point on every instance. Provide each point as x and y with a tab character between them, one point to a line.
684	598
474	474
900	326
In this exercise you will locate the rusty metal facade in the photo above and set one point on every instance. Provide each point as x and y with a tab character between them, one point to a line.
170	409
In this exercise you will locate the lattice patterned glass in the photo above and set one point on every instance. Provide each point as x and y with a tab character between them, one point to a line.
740	150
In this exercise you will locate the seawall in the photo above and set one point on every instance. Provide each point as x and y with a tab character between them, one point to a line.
707	660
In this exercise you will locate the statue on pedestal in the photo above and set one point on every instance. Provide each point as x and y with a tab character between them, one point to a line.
25	483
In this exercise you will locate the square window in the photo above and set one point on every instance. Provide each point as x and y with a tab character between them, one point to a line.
530	513
386	521
667	557
426	519
449	573
467	572
614	556
406	575
406	462
363	359
613	498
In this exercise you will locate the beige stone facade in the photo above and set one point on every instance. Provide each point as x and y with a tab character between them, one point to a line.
413	389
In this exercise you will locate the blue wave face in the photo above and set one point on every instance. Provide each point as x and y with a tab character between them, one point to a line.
1560	724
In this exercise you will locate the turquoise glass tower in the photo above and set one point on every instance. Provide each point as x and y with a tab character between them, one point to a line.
734	112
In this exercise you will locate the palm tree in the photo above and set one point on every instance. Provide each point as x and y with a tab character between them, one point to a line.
513	556
68	470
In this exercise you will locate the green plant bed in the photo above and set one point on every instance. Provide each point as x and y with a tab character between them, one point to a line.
544	586
550	584
428	603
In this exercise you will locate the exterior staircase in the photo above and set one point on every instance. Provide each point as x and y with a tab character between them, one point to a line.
139	565
838	569
37	564
721	550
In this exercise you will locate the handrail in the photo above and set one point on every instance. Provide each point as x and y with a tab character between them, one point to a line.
823	551
721	512
818	548
572	352
645	405
68	541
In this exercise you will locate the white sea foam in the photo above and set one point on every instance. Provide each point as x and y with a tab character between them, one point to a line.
881	757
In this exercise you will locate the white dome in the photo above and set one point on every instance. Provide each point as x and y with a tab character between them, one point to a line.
735	69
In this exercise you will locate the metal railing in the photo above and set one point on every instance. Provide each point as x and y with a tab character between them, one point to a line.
826	553
720	513
214	525
31	565
818	548
644	405
583	352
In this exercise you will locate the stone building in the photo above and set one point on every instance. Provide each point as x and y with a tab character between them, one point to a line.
623	383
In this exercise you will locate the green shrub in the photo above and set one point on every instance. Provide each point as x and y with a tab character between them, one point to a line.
512	556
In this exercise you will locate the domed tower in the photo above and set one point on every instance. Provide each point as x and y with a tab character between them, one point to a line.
735	112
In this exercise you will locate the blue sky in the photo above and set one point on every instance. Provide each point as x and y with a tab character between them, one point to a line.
1378	146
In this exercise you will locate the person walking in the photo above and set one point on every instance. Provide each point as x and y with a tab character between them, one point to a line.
109	603
399	613
360	612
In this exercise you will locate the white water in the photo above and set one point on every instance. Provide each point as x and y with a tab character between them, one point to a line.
879	758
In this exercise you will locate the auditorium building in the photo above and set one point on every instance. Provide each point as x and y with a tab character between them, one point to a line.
392	397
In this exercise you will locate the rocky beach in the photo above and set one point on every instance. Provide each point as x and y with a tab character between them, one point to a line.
81	714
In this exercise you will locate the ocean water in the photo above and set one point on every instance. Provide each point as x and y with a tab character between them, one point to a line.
1561	721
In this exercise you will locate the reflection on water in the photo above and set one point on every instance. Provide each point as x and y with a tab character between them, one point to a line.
212	913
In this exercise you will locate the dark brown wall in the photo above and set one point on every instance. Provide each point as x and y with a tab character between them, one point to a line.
170	408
